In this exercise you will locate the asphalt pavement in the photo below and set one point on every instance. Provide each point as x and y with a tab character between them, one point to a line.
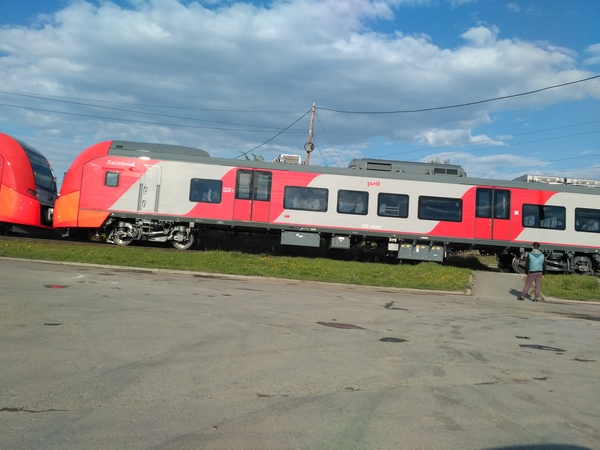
110	357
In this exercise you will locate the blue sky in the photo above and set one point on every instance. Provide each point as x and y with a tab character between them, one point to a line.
230	76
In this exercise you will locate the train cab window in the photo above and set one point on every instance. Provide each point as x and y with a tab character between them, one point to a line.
353	202
305	199
544	216
205	191
440	208
492	201
42	172
587	220
392	205
111	179
253	185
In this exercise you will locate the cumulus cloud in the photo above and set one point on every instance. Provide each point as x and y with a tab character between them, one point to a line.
594	52
235	74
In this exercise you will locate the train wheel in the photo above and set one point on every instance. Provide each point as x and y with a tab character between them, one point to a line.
183	240
516	266
121	236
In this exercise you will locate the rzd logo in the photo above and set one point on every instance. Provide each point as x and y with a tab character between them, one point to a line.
373	183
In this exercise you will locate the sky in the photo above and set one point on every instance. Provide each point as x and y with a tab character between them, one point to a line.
502	88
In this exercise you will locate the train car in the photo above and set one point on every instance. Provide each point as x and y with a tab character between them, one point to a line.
27	188
134	191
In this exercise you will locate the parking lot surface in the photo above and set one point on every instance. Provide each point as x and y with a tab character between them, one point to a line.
108	357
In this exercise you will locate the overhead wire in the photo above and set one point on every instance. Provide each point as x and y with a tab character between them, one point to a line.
278	134
460	105
143	122
148	113
327	136
258	128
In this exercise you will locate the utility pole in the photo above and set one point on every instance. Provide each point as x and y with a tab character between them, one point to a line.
309	146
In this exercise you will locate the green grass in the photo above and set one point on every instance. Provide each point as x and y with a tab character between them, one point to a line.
425	275
574	287
454	275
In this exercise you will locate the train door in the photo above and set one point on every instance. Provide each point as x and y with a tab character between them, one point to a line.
492	214
149	190
252	195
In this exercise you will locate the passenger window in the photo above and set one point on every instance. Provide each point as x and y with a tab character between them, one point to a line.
492	200
353	202
483	203
111	179
205	191
587	220
392	205
544	216
501	204
305	199
440	208
243	187
253	185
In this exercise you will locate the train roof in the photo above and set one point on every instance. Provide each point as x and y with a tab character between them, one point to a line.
413	171
138	149
385	165
558	180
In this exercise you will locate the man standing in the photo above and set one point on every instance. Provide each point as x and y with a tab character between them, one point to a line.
535	268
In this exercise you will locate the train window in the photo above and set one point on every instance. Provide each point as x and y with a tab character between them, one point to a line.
205	191
392	205
243	187
501	204
111	179
253	185
440	208
483	203
262	186
492	200
544	216
353	202
587	220
42	172
305	199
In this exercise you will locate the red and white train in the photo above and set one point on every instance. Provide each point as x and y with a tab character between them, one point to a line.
135	191
27	187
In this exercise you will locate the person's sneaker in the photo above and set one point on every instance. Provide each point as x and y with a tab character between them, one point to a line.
535	299
540	299
520	298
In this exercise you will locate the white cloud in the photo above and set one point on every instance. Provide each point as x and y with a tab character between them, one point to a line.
513	7
594	52
276	59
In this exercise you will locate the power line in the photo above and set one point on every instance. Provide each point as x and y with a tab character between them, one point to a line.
131	111
437	108
278	134
58	99
143	122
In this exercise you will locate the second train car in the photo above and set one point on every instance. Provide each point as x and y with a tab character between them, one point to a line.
136	191
27	188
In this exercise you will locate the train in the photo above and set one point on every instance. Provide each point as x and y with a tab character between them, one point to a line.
28	188
134	191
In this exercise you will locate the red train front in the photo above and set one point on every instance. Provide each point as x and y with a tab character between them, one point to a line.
27	187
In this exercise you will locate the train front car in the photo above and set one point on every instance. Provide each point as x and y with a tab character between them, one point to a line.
27	188
112	189
128	191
